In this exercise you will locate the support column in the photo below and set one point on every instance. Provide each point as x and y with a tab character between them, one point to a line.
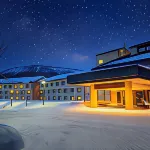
93	97
128	95
114	97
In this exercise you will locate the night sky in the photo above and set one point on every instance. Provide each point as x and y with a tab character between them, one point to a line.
69	33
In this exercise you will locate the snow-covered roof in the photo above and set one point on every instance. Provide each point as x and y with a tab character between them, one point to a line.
129	59
62	76
21	80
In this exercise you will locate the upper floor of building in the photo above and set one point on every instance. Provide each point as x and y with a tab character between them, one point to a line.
120	53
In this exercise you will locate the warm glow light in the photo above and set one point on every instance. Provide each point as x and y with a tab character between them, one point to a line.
21	86
29	92
0	86
22	98
100	61
15	86
17	92
17	97
43	82
11	97
41	92
11	92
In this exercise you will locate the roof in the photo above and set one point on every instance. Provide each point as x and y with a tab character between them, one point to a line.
21	80
62	76
110	74
141	44
128	59
111	51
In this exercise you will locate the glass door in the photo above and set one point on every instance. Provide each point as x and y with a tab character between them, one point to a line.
121	97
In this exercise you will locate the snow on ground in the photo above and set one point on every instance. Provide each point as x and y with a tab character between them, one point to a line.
58	128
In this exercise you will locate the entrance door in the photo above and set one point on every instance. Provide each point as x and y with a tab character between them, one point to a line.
121	97
139	97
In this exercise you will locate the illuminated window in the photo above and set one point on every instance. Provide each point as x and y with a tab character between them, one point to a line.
79	97
41	98
22	97
28	92
17	92
15	86
21	86
11	98
17	98
72	98
0	86
100	61
104	95
11	92
78	89
122	52
41	92
54	97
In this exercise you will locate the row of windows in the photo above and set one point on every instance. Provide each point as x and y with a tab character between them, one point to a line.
52	84
17	98
61	98
62	90
21	86
17	92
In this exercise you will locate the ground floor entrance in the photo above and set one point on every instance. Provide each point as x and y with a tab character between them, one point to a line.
129	94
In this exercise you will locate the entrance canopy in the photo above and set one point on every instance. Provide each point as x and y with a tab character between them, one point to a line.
139	74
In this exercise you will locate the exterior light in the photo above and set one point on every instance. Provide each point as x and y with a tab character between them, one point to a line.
43	82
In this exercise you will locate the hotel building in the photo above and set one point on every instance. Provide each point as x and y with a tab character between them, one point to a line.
121	78
25	88
56	88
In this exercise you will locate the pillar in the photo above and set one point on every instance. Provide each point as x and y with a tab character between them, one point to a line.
93	98
128	95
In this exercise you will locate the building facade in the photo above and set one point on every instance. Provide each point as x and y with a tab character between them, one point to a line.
26	88
122	82
56	88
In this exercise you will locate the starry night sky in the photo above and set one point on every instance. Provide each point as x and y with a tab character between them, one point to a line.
69	33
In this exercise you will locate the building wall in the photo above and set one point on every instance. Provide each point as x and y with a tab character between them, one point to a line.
106	57
54	90
16	91
133	51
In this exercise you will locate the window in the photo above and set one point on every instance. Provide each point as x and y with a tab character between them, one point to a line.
62	82
42	85
79	98
48	91
57	83
121	52
54	97
48	97
23	92
0	92
17	92
6	92
6	97
22	97
41	91
46	85
54	91
78	90
21	86
11	98
142	49
5	86
17	98
51	84
59	98
0	86
27	85
28	97
15	86
41	98
100	61
10	86
72	90
59	90
72	98
65	90
65	98
28	92
103	95
11	92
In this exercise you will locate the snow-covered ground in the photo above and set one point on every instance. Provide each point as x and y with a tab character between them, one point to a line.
58	128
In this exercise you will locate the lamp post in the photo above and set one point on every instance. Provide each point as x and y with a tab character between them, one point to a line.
43	82
11	100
